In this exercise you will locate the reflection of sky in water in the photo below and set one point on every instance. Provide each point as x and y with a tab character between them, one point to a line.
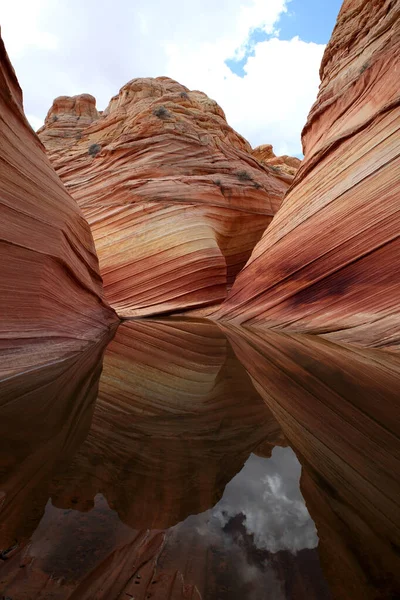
260	535
267	493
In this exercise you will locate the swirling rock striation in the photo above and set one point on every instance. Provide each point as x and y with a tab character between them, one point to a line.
338	409
328	263
174	198
50	287
175	420
45	415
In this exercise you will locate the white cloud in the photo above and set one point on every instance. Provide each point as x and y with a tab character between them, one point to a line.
22	28
65	48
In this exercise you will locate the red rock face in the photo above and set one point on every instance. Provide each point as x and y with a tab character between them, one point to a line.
175	199
50	287
338	409
329	261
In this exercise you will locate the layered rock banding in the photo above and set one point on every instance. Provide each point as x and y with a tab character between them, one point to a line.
174	198
50	287
328	263
338	409
45	415
175	420
67	119
284	164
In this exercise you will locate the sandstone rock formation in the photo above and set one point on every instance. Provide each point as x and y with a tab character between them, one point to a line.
284	164
50	287
66	120
328	263
338	409
174	198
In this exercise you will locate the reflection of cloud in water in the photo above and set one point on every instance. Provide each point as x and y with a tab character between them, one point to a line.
258	537
267	493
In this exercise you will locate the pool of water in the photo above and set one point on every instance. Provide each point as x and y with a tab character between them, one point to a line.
181	459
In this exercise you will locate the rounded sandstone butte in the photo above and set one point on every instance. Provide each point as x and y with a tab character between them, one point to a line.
174	197
328	263
50	287
66	119
285	164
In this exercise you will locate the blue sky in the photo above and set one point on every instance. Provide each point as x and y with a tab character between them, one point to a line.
310	20
259	59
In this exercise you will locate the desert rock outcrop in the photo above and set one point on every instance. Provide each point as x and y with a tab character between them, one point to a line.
328	263
67	118
284	164
174	198
50	287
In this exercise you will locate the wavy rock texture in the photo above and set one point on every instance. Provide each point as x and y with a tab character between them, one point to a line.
282	164
174	198
50	287
45	415
338	409
329	261
176	418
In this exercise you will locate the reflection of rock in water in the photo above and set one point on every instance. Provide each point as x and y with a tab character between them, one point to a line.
338	408
176	418
45	415
226	558
94	555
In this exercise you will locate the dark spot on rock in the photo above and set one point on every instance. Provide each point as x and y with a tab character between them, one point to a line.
161	112
244	176
94	149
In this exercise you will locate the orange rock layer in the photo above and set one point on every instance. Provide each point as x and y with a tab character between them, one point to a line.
338	409
50	287
282	164
328	263
174	198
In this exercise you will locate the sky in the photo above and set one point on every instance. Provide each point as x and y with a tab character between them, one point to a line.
259	59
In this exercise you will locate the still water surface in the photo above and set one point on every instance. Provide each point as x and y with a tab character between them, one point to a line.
159	465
